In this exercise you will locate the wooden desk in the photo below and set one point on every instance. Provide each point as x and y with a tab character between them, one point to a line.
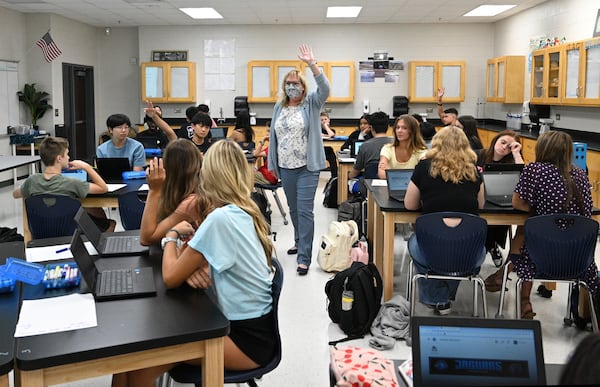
334	143
383	213
176	325
106	200
345	165
9	312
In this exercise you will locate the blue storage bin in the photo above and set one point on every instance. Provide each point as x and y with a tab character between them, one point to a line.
21	270
7	284
79	174
579	155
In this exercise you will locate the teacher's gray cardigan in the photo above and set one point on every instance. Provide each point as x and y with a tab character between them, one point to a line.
311	111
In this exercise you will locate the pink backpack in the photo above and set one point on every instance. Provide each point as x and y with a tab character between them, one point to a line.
361	367
360	253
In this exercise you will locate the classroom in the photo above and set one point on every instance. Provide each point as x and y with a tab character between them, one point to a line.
113	46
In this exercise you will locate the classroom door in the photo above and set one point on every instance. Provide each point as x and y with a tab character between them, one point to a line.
78	99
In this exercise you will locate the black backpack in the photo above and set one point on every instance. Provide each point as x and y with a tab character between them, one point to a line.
354	298
330	193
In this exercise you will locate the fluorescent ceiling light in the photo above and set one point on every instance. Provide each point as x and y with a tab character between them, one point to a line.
202	13
489	10
343	11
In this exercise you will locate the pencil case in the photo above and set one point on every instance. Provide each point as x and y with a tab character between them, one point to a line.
7	284
151	152
21	270
129	175
61	275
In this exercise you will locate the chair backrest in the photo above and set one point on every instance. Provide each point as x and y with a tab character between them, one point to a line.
451	250
131	209
371	170
561	245
50	215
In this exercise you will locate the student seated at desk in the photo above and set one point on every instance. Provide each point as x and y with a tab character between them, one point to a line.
54	152
445	180
370	150
174	193
326	130
406	150
231	251
120	145
363	133
186	130
201	124
157	131
243	133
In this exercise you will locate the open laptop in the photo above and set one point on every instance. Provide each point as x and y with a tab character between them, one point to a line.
499	186
111	284
397	182
217	134
354	147
494	167
109	243
112	168
448	351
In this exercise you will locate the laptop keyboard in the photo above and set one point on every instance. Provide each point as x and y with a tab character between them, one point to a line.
118	244
116	282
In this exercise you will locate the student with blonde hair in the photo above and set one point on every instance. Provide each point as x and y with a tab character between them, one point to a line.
174	192
446	180
231	251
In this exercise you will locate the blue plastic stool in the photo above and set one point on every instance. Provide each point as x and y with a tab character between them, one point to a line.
579	155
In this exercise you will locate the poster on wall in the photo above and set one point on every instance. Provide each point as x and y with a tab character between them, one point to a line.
365	68
388	70
219	64
597	26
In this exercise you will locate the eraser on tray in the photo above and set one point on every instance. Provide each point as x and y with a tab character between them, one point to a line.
21	270
129	175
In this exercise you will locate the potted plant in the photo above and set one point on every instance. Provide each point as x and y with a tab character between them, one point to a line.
36	101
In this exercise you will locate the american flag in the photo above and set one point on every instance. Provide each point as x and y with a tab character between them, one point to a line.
49	47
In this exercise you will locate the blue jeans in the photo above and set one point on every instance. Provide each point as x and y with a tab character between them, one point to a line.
300	186
433	291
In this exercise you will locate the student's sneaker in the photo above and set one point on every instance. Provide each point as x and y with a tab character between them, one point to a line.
496	256
443	309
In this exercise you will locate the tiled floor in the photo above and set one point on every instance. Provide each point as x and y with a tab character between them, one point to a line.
305	325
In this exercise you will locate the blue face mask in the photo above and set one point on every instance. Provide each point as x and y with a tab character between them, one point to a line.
293	91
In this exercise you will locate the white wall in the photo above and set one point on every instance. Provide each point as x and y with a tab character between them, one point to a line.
572	19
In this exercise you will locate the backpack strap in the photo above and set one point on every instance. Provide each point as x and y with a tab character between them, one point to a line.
347	338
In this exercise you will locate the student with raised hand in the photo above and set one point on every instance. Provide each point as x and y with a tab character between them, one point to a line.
120	144
469	125
230	251
370	150
505	148
54	152
448	116
406	150
551	185
445	180
158	129
174	193
296	153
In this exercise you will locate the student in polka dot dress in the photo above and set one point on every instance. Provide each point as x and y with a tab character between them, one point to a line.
551	185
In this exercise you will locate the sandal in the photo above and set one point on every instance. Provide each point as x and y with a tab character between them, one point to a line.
493	283
526	310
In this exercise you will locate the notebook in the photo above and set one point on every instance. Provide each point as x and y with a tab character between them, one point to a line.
109	243
217	134
111	284
354	147
503	167
112	168
448	351
397	182
499	187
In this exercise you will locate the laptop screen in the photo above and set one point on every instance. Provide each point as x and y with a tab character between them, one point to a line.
84	261
88	227
398	179
218	133
500	183
477	352
112	168
354	147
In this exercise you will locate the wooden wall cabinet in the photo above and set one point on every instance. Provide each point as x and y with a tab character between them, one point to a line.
581	80
169	82
265	79
425	77
505	79
546	75
593	163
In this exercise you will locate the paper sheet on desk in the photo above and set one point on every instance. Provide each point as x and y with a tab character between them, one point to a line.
347	160
379	183
114	187
144	187
56	314
54	252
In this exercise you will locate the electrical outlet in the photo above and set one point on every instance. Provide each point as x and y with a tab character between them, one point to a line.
557	117
55	112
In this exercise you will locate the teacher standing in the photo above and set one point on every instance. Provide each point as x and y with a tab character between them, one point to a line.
296	152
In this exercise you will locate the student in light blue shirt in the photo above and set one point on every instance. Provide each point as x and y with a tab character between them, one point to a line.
120	144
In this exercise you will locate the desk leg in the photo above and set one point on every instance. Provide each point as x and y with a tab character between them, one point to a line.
213	363
388	256
33	378
4	380
342	183
26	232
